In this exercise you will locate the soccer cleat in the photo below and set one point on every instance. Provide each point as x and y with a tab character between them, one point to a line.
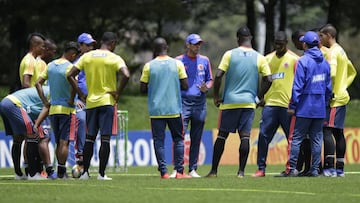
194	174
340	173
182	175
43	174
292	173
52	175
259	173
173	174
99	177
37	176
211	174
329	172
165	176
23	177
85	176
240	174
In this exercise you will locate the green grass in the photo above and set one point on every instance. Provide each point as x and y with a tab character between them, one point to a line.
143	184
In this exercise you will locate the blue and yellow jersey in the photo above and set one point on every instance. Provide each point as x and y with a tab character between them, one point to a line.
28	67
282	72
29	99
100	68
163	76
242	66
198	70
60	88
342	75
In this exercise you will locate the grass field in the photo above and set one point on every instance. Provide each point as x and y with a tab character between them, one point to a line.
143	184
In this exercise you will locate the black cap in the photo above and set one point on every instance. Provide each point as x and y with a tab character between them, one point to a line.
243	32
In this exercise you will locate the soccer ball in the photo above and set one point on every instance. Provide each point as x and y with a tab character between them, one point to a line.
76	171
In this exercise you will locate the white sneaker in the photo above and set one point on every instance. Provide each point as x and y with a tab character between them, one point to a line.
173	174
103	177
194	174
84	176
37	176
23	177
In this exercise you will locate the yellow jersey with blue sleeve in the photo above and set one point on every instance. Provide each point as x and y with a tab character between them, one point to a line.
282	73
100	67
242	66
60	88
342	75
163	76
28	67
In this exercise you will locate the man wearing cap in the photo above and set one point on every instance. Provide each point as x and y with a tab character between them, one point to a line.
242	66
86	44
62	111
102	68
198	69
343	74
311	93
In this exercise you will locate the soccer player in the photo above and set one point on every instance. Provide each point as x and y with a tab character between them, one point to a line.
101	67
41	66
86	44
162	79
198	70
242	66
311	92
342	75
19	111
282	63
62	111
28	72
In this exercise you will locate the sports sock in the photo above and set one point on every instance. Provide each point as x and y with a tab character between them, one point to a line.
243	153
88	153
61	170
32	155
329	148
104	156
218	151
49	169
16	154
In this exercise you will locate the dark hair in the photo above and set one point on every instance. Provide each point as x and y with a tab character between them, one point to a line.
329	29
297	34
31	36
71	46
280	35
108	37
243	32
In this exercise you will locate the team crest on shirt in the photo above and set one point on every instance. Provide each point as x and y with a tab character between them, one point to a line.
286	65
200	67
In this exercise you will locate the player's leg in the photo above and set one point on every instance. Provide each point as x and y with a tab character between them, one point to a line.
244	129
316	137
81	135
329	143
158	126
107	118
268	125
340	151
176	129
44	135
92	130
62	149
16	154
196	131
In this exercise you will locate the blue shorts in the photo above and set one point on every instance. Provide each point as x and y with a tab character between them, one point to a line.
240	119
335	117
103	118
63	126
16	120
44	129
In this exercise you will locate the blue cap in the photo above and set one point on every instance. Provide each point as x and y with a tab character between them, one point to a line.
86	38
193	39
310	38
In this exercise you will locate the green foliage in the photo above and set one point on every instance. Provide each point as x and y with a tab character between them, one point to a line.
143	184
